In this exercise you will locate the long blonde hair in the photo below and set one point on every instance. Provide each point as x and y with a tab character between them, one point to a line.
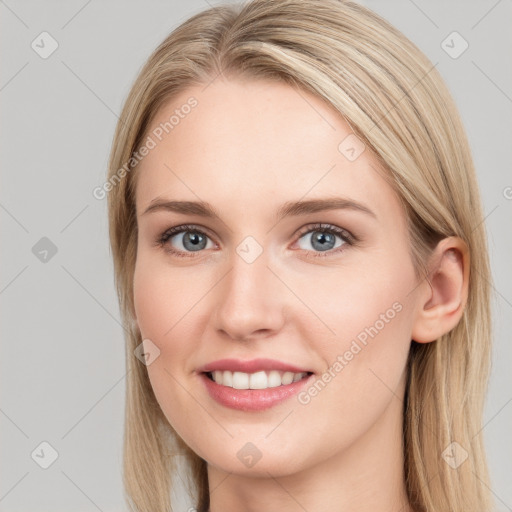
398	105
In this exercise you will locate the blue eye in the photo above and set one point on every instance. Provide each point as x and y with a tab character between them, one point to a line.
321	240
190	238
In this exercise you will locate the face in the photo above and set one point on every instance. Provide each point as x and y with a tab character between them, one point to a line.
266	290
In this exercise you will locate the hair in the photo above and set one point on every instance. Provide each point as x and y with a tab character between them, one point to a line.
396	102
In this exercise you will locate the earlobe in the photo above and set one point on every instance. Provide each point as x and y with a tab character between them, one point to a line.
443	296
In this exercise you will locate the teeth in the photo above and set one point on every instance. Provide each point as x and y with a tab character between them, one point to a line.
287	378
240	380
227	379
258	380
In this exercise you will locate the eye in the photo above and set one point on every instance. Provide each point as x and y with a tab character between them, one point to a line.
324	238
186	239
320	239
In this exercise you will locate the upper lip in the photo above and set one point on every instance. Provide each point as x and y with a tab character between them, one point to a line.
251	366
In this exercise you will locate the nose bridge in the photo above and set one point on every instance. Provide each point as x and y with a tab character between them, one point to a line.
247	278
249	299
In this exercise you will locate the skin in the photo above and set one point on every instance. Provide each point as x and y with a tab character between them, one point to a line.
248	147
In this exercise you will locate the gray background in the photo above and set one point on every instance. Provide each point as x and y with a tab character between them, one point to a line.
62	364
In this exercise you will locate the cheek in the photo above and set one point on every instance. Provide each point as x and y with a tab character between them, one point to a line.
363	375
371	314
161	299
345	302
161	306
168	307
150	304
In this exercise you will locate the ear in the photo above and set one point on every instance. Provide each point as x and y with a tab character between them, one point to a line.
443	296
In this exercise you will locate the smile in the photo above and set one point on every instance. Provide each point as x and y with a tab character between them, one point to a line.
253	385
258	380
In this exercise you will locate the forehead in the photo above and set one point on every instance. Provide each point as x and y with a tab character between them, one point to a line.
255	141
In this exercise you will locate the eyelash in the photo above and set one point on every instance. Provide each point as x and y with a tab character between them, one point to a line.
346	236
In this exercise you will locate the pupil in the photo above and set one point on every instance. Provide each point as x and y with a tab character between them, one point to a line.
193	241
324	239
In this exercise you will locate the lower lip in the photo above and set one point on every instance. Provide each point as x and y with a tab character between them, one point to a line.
252	399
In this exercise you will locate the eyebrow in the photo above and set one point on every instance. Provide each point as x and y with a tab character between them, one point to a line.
292	208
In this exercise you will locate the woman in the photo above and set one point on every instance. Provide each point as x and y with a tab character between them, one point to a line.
301	263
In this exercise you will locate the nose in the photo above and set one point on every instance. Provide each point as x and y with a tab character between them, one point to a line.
250	301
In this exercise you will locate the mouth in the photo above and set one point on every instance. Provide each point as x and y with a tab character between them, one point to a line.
264	379
254	385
